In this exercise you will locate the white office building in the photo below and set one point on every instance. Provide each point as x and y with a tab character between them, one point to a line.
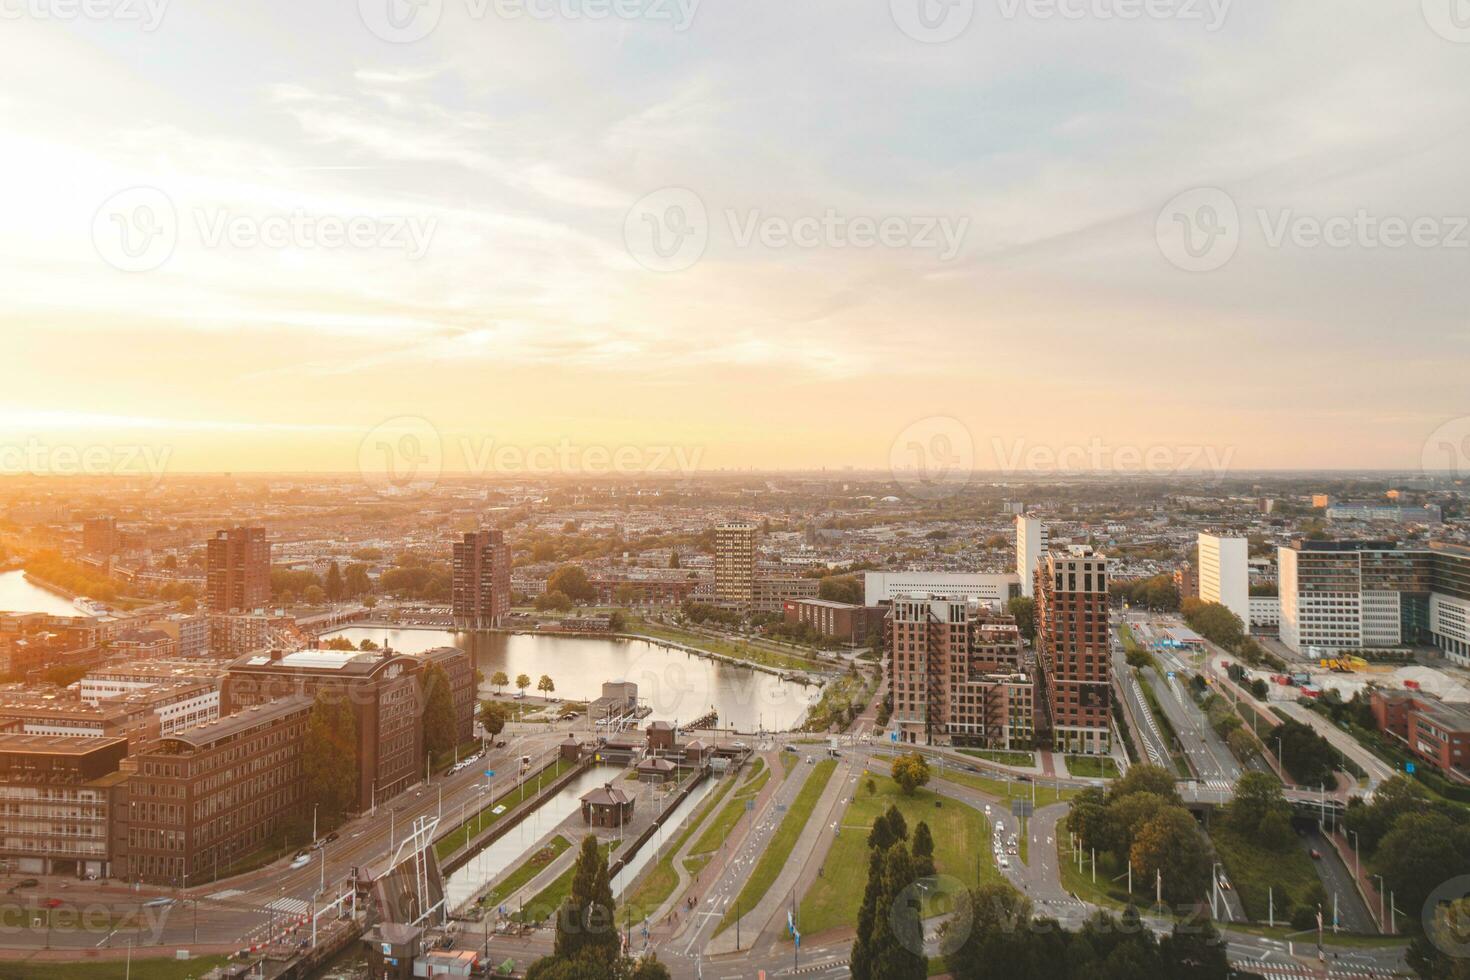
1031	544
996	590
1224	573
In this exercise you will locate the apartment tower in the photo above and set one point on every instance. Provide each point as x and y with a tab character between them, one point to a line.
1224	574
238	570
1031	544
1072	649
735	563
481	595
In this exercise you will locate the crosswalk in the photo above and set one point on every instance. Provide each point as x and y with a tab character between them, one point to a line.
1219	785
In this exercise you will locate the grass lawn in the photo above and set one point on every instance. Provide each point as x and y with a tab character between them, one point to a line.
778	851
961	849
475	824
1092	766
533	866
1253	869
755	782
1105	891
1002	757
549	899
1046	793
850	691
788	763
714	835
726	648
153	968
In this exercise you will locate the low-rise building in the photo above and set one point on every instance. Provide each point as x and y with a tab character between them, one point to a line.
1433	730
843	621
57	799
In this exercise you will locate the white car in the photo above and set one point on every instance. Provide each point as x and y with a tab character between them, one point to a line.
301	861
1004	863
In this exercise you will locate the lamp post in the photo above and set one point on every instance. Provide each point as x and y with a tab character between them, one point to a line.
1380	900
1355	852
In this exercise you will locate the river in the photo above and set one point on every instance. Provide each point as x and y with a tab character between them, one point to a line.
18	595
677	686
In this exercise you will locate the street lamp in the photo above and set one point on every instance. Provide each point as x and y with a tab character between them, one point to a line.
1380	901
1355	852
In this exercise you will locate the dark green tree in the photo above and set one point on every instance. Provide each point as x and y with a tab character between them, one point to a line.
923	848
334	587
438	711
330	757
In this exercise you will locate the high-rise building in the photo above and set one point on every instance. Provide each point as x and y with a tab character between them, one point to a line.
1031	544
958	676
1073	650
481	596
1346	595
100	536
735	563
238	570
1224	574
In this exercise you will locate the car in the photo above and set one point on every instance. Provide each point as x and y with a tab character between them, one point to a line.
500	744
330	837
1004	863
158	903
300	861
1316	854
23	883
791	748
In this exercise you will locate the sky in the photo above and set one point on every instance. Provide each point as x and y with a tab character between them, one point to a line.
807	233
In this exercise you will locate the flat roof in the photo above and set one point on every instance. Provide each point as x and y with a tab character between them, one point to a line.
213	731
56	744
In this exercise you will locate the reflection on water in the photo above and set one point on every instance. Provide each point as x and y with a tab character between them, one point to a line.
18	595
676	685
516	843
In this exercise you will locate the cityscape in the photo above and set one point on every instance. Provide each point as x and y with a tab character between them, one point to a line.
652	489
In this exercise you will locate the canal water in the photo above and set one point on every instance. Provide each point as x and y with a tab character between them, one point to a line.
677	686
18	595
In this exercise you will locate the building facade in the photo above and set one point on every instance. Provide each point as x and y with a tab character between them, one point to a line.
57	797
203	798
1073	650
237	571
735	548
1224	575
993	589
1031	544
481	588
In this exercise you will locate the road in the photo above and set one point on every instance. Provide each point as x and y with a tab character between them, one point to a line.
1209	757
1337	881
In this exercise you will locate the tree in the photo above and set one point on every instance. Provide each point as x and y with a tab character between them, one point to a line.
1241	744
890	943
355	580
439	727
1024	609
545	685
585	922
888	829
330	757
339	643
1418	853
367	645
923	849
188	604
1307	756
572	581
370	601
1145	779
1169	843
910	772
492	717
861	961
334	588
1257	796
499	680
557	601
523	681
1259	689
1194	950
625	595
841	588
313	595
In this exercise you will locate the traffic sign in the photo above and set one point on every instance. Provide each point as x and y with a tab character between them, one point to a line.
490	773
1408	767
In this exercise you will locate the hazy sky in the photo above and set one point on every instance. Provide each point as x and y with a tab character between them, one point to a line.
796	233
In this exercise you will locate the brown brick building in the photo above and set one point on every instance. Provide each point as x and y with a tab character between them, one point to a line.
57	795
1435	731
237	572
481	587
842	621
203	798
1073	650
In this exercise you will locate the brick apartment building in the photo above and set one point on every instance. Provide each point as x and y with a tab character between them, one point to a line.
1437	732
958	674
735	547
481	586
843	621
1073	651
203	798
237	570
